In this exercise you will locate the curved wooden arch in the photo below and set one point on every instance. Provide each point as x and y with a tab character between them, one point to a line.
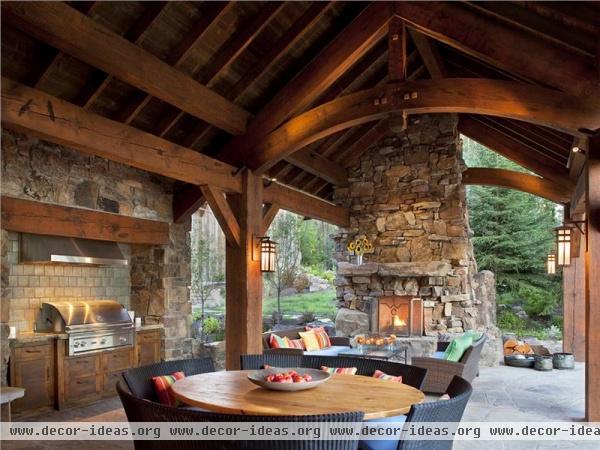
499	98
519	181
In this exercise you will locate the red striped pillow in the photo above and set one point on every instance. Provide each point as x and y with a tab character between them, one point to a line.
296	343
340	370
277	342
384	376
322	336
162	386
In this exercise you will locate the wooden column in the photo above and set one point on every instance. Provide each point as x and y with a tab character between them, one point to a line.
243	325
592	285
574	304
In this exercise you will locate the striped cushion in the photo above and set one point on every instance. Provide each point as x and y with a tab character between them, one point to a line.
310	340
162	386
384	376
340	370
296	343
445	397
278	342
322	336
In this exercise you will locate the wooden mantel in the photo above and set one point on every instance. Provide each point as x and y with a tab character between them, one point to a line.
27	216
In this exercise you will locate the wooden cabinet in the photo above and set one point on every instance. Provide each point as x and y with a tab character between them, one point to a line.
33	367
148	347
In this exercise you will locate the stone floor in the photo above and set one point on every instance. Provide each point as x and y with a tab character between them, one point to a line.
500	394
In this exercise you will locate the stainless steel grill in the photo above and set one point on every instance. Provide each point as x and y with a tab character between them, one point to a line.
90	325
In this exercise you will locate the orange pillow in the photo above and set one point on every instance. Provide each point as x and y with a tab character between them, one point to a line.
340	370
295	343
162	386
322	336
310	340
384	376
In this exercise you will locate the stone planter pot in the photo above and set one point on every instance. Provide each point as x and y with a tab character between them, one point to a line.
563	361
543	363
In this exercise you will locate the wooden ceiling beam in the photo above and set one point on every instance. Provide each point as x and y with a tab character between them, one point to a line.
320	166
339	55
353	153
222	59
74	33
576	161
223	213
98	83
503	46
463	95
519	181
396	50
295	33
269	213
27	216
186	201
429	54
47	117
178	55
514	150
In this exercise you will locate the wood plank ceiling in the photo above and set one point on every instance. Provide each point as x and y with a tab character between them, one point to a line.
250	52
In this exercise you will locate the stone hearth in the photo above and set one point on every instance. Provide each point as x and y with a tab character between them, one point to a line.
406	196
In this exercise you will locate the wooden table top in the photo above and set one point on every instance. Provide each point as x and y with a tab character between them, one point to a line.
231	392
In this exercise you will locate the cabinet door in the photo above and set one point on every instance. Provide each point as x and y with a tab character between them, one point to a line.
35	375
148	348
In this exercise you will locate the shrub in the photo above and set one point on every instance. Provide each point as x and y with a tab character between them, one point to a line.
212	325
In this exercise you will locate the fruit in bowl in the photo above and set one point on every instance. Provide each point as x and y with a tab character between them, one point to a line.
288	377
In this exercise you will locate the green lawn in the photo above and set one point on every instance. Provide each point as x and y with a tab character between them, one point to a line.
319	303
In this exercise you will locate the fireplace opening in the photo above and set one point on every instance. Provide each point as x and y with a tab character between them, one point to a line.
400	315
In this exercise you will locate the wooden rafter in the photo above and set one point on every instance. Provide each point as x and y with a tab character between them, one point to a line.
74	33
429	54
320	166
397	50
27	216
186	201
223	213
178	55
514	150
223	58
34	112
471	95
269	213
509	48
98	82
341	53
353	153
516	180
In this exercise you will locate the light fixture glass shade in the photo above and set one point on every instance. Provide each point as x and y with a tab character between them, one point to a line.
551	263
563	245
268	254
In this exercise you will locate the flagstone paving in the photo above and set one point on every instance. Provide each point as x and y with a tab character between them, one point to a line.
505	394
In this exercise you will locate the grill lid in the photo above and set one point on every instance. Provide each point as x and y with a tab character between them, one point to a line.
62	315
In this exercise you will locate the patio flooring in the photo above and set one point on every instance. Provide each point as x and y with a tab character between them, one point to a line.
500	394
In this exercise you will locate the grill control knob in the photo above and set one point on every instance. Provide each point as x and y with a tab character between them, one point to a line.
102	341
122	340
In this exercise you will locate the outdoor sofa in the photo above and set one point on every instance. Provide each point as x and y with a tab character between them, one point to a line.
338	344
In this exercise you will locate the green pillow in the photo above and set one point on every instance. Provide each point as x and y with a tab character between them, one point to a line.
457	347
475	335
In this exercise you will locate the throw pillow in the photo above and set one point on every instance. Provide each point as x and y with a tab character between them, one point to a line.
322	336
445	397
457	348
296	343
475	335
384	376
340	370
310	340
162	386
277	342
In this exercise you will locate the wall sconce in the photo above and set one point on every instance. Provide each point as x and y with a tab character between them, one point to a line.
551	263
563	245
268	253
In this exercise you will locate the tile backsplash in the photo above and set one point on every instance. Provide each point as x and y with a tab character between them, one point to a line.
29	285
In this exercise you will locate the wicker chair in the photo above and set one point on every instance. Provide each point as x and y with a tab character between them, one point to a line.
139	410
450	410
412	376
139	380
440	372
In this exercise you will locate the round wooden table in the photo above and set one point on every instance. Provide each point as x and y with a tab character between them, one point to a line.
231	392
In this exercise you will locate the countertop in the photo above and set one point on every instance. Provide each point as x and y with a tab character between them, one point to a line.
32	336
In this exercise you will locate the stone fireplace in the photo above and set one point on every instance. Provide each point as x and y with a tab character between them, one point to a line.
406	196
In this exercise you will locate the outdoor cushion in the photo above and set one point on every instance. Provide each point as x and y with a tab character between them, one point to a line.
457	347
381	445
340	370
334	350
438	355
384	376
295	343
322	336
278	342
162	386
310	340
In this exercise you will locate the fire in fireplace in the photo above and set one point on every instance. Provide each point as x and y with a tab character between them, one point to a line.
401	315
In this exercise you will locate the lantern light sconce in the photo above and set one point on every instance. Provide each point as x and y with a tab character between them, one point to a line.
563	245
268	254
551	263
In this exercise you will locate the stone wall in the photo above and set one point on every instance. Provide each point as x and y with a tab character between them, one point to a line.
406	196
37	170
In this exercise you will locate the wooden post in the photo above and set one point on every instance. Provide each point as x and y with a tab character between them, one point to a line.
592	285
243	325
574	303
397	50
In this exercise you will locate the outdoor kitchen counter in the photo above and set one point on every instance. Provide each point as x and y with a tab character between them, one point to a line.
156	326
32	336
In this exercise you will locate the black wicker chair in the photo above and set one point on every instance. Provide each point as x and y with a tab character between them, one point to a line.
411	375
139	379
139	410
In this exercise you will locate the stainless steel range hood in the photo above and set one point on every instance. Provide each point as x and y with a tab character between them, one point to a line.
42	249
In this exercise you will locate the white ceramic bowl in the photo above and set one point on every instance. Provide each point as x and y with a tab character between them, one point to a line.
318	377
